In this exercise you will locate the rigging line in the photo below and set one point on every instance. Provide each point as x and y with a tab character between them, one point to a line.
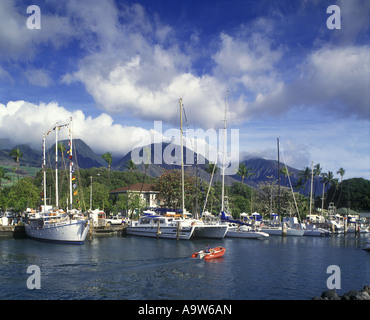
79	181
197	174
50	174
290	183
64	177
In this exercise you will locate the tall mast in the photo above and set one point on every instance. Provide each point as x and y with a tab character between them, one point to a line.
311	188
182	162
44	168
56	166
224	155
278	154
70	166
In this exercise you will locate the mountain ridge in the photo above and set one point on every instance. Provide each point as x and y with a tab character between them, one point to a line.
264	170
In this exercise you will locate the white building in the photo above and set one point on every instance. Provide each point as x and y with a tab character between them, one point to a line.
146	190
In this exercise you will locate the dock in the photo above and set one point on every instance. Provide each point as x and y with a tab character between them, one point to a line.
19	232
109	230
13	231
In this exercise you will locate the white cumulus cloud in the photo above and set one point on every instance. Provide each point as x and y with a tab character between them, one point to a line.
24	122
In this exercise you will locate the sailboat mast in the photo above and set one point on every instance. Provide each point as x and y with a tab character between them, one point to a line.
223	160
44	168
311	188
56	166
70	165
278	154
182	162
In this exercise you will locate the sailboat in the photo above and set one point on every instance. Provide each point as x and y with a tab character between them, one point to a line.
202	229
166	226
290	225
57	225
233	228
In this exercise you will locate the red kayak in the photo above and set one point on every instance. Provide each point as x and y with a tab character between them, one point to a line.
213	253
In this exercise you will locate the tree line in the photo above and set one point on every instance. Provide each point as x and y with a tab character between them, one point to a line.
92	188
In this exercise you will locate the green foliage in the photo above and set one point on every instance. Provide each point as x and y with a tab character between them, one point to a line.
100	197
169	187
131	203
244	172
3	175
267	198
355	194
241	198
21	196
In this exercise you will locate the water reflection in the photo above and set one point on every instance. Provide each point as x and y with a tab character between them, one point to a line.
145	268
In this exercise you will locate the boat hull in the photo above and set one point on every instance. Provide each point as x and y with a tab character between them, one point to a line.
317	233
167	232
295	232
367	245
235	233
72	232
218	231
278	231
214	253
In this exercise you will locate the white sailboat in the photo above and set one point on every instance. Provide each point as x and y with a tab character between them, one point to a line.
235	229
162	226
57	225
202	229
290	226
247	232
158	226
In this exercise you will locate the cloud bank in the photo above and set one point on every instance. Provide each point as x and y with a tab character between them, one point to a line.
24	122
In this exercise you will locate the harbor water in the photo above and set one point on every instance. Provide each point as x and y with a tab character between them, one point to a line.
137	268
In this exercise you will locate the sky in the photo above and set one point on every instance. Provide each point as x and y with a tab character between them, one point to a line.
291	69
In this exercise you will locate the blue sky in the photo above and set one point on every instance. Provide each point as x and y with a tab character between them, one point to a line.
118	66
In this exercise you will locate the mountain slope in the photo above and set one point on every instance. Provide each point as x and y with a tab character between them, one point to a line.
162	157
84	156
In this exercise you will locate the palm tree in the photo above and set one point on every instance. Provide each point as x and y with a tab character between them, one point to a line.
16	154
244	172
341	172
329	179
62	148
211	168
316	173
3	175
130	165
304	175
299	184
285	172
108	158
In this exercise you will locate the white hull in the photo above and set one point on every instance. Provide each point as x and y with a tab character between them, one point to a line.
73	231
169	232
278	231
353	230
217	231
234	232
273	231
161	227
317	232
367	245
295	232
